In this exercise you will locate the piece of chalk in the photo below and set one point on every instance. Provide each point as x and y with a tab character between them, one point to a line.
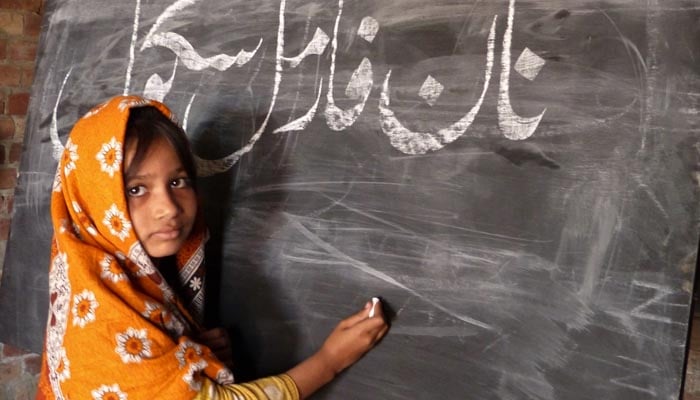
375	300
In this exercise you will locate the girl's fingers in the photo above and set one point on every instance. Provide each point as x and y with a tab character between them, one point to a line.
374	327
381	333
216	339
356	318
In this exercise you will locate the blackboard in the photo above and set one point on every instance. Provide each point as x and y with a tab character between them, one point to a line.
517	179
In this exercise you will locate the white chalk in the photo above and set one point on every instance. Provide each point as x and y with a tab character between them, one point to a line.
375	300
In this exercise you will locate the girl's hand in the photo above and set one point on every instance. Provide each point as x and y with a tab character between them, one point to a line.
218	341
349	341
353	337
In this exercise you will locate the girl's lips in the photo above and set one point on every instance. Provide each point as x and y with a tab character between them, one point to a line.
166	234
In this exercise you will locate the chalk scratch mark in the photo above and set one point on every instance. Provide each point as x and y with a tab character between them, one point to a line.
53	131
378	274
432	331
653	197
302	186
630	47
660	293
620	381
132	47
187	112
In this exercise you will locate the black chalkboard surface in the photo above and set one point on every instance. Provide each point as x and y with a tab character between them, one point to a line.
517	179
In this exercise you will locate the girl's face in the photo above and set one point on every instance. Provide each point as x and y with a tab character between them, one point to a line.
162	202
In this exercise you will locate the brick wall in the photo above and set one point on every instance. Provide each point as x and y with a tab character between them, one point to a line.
20	24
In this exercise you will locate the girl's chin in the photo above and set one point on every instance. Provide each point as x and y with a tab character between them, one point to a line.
163	250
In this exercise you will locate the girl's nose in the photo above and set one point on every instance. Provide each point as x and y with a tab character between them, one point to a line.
166	205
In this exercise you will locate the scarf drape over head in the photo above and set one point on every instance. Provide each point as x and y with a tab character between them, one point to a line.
115	328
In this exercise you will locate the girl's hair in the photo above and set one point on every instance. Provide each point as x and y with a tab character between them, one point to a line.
147	124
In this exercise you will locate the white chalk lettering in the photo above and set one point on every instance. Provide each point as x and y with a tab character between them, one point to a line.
358	88
411	142
512	125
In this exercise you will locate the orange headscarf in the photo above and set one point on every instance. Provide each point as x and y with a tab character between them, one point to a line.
115	328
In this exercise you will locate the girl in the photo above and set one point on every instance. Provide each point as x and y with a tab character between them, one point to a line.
126	275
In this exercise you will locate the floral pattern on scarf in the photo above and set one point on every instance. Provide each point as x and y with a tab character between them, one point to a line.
115	328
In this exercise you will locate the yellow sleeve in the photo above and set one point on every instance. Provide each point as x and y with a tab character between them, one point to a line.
280	387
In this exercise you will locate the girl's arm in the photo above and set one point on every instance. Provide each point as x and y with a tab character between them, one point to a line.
350	340
219	343
280	387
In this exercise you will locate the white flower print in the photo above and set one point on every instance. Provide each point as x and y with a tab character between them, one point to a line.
63	225
59	286
84	306
59	308
117	223
71	156
107	392
196	283
188	352
138	255
63	367
173	324
110	157
194	383
111	271
57	187
133	345
132	102
152	310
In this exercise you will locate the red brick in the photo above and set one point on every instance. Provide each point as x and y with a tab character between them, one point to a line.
21	50
9	75
29	5
20	126
3	49
11	22
12	351
8	178
10	203
5	230
7	127
10	372
15	152
3	154
32	364
27	77
6	203
32	24
18	104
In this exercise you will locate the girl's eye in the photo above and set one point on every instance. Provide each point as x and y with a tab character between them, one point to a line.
180	183
136	191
